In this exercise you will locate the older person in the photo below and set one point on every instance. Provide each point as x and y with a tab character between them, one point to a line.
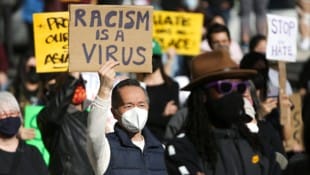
15	156
131	148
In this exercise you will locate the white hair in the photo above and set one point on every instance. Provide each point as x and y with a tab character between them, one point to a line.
8	103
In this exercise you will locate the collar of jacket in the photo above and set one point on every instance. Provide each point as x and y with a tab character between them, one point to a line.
150	140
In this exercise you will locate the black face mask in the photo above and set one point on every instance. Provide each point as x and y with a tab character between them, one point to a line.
50	92
9	126
32	76
225	111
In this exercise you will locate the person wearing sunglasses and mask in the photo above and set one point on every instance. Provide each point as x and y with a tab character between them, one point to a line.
215	138
131	148
16	157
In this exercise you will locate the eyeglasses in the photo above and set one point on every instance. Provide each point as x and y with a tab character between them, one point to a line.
226	87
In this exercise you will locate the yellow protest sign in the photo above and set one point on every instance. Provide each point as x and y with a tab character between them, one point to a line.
99	33
180	30
51	41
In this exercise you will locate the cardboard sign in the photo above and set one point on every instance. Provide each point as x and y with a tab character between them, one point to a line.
179	30
31	113
282	38
51	41
99	33
296	138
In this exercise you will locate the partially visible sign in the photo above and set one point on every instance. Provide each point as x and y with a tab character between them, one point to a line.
51	41
179	30
282	38
99	33
296	138
31	113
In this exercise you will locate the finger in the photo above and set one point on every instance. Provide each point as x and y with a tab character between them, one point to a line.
108	66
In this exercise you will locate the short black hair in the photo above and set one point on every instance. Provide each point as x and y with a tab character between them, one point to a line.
217	28
255	40
116	98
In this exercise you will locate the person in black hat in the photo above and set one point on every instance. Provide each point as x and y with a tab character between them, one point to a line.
215	139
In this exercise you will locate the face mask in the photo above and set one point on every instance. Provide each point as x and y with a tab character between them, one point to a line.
134	119
252	127
250	111
32	76
225	111
9	126
79	95
248	108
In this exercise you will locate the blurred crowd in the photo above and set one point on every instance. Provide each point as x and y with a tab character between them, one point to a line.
212	113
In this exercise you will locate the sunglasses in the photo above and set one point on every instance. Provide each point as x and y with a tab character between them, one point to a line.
226	87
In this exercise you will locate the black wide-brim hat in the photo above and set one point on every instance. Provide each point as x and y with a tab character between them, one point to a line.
215	65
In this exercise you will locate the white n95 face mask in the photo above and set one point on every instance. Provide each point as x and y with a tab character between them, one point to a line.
134	119
252	127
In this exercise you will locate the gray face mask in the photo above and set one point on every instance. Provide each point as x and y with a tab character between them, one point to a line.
134	119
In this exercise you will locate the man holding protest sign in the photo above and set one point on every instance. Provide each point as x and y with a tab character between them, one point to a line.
131	149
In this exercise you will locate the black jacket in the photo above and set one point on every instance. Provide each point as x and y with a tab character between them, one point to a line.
128	159
63	131
235	157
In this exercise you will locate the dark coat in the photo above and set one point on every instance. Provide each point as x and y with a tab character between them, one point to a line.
64	134
127	158
235	156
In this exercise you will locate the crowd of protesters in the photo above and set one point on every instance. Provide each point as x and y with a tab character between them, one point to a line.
216	112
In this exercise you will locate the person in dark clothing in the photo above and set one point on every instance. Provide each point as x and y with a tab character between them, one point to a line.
218	7
215	138
267	106
16	157
131	148
163	93
63	124
304	78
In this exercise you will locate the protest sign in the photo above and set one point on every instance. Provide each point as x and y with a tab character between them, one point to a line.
51	41
30	115
281	46
282	38
99	33
179	30
296	138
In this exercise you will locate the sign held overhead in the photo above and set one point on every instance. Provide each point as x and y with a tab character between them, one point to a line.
179	30
282	38
99	33
51	41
